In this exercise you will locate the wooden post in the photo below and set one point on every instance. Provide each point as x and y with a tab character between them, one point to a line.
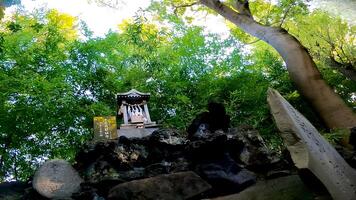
126	120
145	107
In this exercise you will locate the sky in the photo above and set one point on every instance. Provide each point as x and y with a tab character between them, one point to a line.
101	19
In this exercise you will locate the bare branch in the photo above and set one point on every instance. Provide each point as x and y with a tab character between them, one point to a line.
285	15
253	42
176	7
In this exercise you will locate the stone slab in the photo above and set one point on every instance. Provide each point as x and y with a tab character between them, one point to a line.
135	132
310	150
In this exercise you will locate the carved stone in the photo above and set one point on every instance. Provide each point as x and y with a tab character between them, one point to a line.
310	150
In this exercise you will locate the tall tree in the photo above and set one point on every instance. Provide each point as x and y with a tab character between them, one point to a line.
301	67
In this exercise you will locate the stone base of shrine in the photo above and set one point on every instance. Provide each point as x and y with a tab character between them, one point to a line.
136	132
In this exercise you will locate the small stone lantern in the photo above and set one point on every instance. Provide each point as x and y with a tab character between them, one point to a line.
132	106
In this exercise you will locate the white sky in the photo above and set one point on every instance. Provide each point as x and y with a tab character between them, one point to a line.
101	19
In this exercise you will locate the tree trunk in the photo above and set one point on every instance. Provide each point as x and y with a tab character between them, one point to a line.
302	69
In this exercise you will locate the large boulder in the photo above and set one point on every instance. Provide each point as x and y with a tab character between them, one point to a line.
284	188
56	179
181	185
225	175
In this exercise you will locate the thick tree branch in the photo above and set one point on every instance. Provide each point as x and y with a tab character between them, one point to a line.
300	66
245	22
224	10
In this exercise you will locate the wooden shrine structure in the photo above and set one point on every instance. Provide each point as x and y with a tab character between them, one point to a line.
132	107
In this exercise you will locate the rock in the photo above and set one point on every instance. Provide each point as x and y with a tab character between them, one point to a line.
352	139
12	190
225	175
247	146
93	151
164	167
209	147
347	154
131	153
31	194
86	192
310	150
168	136
215	119
56	179
182	185
284	188
166	145
105	159
277	173
210	156
158	168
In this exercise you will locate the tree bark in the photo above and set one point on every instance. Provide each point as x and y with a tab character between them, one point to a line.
302	69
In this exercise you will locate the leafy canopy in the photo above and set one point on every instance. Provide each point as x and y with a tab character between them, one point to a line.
50	94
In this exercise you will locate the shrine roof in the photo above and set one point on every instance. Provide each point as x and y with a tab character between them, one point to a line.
133	95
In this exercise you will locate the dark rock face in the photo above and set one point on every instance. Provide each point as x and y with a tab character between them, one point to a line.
225	175
347	154
215	119
352	139
211	159
182	185
229	162
248	147
12	190
166	165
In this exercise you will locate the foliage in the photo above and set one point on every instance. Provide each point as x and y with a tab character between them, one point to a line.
335	136
331	42
39	112
50	94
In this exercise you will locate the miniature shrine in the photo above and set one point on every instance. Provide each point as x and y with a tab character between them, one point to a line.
133	108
